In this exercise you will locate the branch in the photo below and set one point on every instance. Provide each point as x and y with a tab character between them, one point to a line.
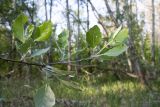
111	13
22	62
98	16
43	65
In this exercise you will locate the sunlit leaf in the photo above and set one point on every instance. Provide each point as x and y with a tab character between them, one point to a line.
40	52
119	38
29	30
44	97
115	51
18	27
122	35
63	39
43	32
93	36
115	33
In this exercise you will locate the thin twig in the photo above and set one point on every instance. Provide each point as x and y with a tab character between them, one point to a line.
43	65
22	62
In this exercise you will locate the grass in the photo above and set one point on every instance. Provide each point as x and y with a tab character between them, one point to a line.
111	94
94	93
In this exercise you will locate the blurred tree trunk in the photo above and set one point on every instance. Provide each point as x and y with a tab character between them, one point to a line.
69	38
111	13
78	37
117	12
33	5
142	47
51	3
12	53
141	35
158	37
89	53
153	35
98	16
132	51
87	15
50	59
45	5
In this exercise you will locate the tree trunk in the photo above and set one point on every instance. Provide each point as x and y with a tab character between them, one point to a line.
132	50
87	16
51	9
98	16
158	40
111	13
117	11
12	53
50	59
153	35
33	6
69	38
45	5
78	37
89	53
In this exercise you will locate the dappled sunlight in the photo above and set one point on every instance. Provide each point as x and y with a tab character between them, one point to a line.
90	91
119	87
109	93
127	88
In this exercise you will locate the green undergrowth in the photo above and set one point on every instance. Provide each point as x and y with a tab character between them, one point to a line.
93	93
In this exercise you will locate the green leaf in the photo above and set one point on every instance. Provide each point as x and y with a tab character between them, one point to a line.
18	27
63	39
59	72
49	71
4	44
40	52
115	51
71	84
29	30
115	33
44	31
93	36
79	52
120	37
24	47
36	33
105	58
44	97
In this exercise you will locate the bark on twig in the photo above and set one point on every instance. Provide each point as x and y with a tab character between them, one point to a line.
43	65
